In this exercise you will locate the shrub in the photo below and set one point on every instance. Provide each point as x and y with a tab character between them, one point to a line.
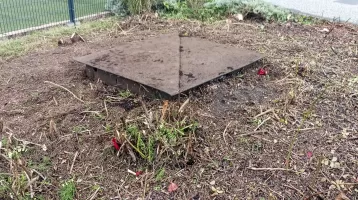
258	8
117	7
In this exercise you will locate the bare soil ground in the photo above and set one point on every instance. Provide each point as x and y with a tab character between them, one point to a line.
289	135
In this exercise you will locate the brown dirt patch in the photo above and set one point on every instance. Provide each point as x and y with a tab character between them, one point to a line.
310	87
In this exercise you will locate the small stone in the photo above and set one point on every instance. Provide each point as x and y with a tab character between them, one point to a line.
334	159
212	183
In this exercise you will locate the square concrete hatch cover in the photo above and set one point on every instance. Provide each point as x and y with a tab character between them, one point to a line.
166	63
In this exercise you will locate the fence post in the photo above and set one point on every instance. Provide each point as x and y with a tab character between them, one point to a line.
71	8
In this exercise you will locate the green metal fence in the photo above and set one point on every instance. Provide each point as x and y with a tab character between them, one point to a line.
26	14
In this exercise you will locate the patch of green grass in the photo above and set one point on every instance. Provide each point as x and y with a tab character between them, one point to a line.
68	190
166	134
43	165
108	128
48	38
4	142
78	129
125	94
99	116
160	174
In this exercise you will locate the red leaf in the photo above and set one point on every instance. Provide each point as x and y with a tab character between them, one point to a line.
115	144
172	187
138	173
309	154
262	72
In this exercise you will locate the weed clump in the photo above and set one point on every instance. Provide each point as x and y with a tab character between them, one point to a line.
162	132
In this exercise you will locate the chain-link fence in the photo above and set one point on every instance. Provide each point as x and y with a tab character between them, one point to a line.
23	15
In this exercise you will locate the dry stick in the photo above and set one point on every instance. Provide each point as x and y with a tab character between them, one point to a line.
73	162
105	107
28	176
44	148
293	188
262	123
94	194
252	133
31	182
272	169
224	133
264	113
182	107
315	193
38	173
65	89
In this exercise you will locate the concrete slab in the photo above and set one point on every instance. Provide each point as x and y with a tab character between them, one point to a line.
202	61
152	63
166	65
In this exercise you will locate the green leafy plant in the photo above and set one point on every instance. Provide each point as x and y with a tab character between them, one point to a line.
259	8
78	129
160	174
169	135
125	94
68	190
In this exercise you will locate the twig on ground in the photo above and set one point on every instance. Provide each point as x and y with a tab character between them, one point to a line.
224	133
264	113
73	162
44	148
334	51
272	169
261	138
262	123
182	107
31	182
252	133
293	188
66	90
94	194
105	107
38	173
303	129
315	193
164	110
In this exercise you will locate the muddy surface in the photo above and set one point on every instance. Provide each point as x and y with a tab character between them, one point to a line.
251	127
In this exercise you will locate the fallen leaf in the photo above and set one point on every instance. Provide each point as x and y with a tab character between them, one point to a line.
115	144
216	191
172	187
341	196
309	154
138	173
262	72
